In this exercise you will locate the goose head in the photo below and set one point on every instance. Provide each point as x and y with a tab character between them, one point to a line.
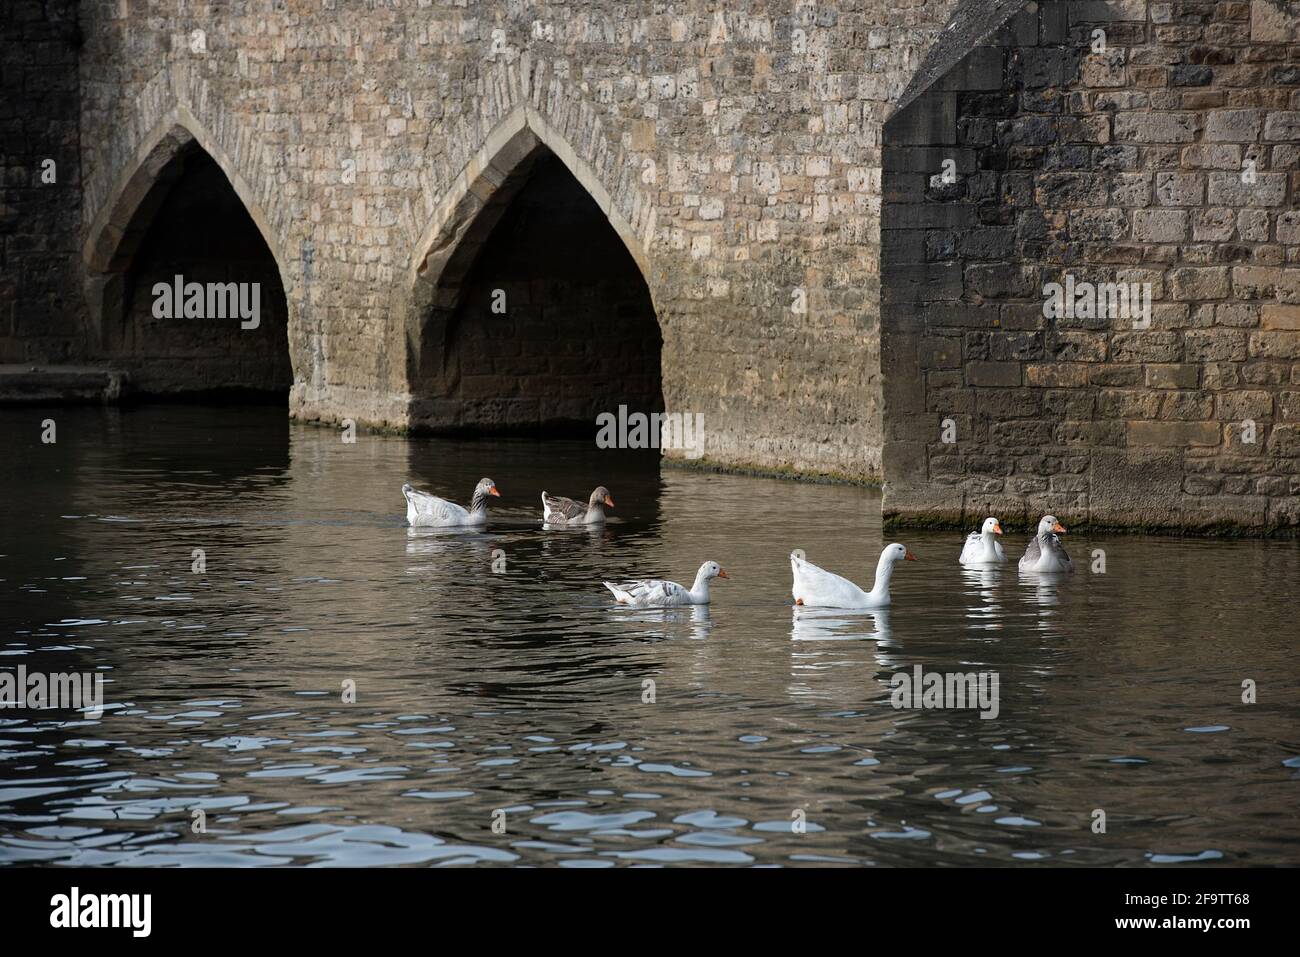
484	487
1048	525
600	497
898	553
712	570
991	526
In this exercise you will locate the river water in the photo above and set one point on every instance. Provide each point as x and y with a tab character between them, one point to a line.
504	717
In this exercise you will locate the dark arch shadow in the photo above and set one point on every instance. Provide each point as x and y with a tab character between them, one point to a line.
540	319
222	328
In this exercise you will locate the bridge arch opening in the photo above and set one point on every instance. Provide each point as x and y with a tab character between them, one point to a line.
185	290
539	317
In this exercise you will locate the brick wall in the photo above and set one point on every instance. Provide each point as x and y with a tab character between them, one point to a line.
1169	155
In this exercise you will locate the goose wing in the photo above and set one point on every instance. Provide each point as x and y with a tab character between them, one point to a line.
971	549
430	509
815	585
650	591
557	506
1033	552
1062	555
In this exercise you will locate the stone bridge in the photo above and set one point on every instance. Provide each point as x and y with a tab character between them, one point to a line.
828	227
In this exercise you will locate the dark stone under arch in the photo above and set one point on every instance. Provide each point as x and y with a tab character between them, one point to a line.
578	335
198	228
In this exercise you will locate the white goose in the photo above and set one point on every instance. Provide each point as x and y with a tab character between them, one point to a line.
430	510
657	593
557	510
816	587
982	547
1045	553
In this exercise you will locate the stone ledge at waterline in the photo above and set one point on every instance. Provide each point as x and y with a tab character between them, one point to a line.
827	228
46	385
1128	490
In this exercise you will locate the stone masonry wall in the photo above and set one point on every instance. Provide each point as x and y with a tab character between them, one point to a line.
41	313
734	145
1168	156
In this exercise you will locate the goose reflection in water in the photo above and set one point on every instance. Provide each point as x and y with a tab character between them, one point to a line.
985	610
425	542
595	531
691	621
837	624
832	653
1042	589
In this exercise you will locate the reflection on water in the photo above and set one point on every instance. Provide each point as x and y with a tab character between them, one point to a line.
834	624
496	682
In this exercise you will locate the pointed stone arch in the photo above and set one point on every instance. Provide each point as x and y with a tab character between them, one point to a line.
115	234
472	206
130	206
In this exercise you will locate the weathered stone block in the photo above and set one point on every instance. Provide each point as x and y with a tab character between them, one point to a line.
1180	189
1272	22
1173	433
1196	284
1173	375
1284	440
1071	189
940	353
1002	374
1157	127
1288	227
1215	345
1283	125
1265	282
1152	346
1273	316
1132	190
1275	345
1056	374
1234	126
1288	406
1236	314
1104	11
1162	225
1227	189
928	121
1186	405
1128	404
1252	225
1245	404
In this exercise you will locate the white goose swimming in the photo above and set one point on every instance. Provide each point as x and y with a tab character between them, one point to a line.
557	510
816	587
657	593
430	510
982	547
1045	553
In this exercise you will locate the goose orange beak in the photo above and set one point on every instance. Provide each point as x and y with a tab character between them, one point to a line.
997	529
493	491
609	501
1058	527
722	573
909	557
